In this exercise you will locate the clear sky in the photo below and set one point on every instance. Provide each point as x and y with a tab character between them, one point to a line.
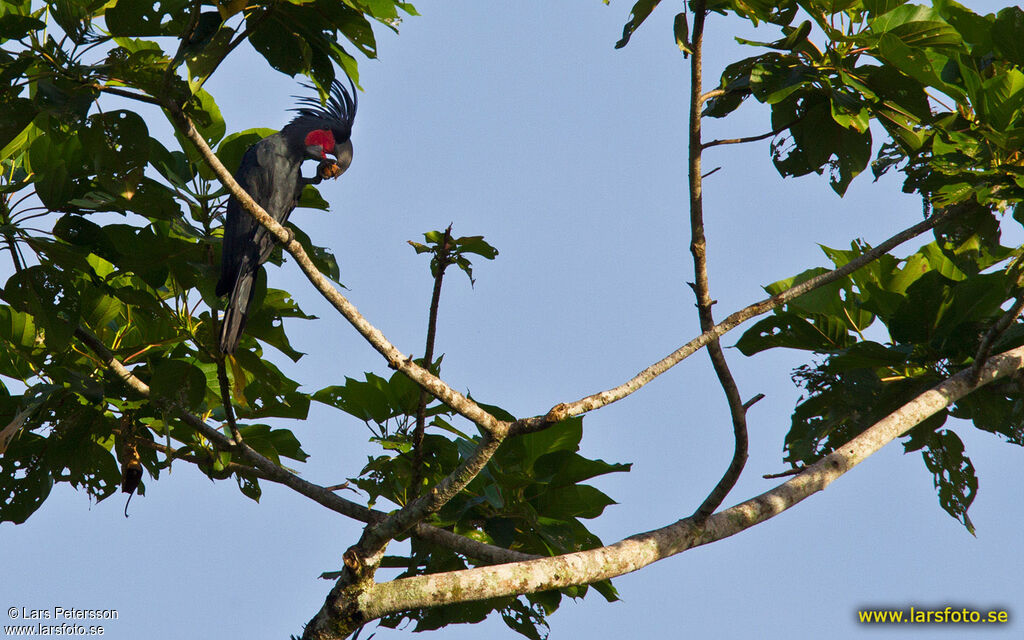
519	121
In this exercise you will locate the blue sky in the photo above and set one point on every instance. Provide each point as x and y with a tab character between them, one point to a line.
519	121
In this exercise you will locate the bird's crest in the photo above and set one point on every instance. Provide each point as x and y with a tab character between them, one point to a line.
339	110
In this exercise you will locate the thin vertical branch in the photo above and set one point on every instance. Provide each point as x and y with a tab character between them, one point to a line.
225	398
701	287
428	358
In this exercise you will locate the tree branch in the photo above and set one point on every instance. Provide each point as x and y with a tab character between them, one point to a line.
378	534
225	392
267	470
640	550
141	97
597	400
395	358
701	285
998	329
715	143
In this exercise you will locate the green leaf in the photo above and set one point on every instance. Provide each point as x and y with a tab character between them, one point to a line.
206	116
572	501
265	322
641	10
16	27
249	486
311	199
179	383
787	330
562	468
273	443
280	46
24	482
144	19
16	327
1001	98
323	258
18	114
916	64
867	355
78	231
374	399
233	147
681	30
1008	34
49	295
927	300
210	44
953	473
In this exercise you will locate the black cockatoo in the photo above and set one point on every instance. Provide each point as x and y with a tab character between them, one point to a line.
270	173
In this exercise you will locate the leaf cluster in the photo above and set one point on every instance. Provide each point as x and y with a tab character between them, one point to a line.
530	498
945	86
115	234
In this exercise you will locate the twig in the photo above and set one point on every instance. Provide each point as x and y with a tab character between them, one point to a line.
250	25
998	329
784	474
141	97
774	132
714	93
428	359
186	36
597	400
715	143
749	403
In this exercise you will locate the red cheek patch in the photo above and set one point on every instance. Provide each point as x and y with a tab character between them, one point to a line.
322	138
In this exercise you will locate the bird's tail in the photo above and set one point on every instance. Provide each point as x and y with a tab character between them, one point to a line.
237	312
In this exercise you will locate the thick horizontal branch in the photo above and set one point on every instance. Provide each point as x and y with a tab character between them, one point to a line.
267	470
640	550
598	400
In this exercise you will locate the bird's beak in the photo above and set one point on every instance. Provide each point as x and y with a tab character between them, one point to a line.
343	152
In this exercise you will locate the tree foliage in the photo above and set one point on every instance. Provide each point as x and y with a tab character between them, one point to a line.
114	236
142	283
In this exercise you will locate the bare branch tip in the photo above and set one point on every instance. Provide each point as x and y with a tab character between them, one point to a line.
753	401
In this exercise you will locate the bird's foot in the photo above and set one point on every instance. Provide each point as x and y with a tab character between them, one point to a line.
328	169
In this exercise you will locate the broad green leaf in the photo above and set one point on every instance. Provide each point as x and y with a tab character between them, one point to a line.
639	13
953	473
784	330
916	63
15	27
571	501
1008	34
164	18
49	295
179	383
18	114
